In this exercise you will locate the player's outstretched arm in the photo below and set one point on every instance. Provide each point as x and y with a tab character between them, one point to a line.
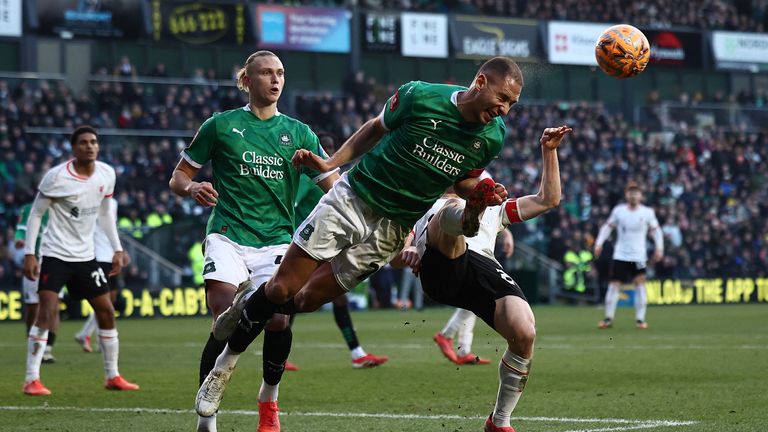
182	185
549	194
360	143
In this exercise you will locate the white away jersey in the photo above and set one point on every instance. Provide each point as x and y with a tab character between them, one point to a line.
632	228
102	247
75	203
483	243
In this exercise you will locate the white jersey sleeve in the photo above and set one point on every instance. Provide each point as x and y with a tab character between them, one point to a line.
102	247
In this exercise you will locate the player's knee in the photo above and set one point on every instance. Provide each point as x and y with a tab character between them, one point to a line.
277	323
278	291
521	337
219	297
526	334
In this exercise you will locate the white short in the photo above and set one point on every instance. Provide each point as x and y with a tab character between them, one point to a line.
344	230
29	291
227	261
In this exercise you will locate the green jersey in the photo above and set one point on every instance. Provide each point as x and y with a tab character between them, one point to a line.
21	227
253	174
307	198
429	146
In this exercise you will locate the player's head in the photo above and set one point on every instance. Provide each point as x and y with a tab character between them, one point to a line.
262	77
495	88
634	193
85	143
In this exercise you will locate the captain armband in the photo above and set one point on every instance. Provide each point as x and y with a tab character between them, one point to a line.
511	212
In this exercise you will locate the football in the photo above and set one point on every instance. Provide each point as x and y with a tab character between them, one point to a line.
622	51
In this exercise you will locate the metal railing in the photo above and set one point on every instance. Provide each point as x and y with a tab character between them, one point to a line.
160	272
550	271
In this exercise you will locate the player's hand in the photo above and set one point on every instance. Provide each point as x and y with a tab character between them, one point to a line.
499	194
411	258
117	263
657	256
19	244
306	158
30	267
552	137
126	259
598	251
203	193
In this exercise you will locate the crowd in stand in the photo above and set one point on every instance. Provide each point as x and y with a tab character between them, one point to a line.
738	15
708	184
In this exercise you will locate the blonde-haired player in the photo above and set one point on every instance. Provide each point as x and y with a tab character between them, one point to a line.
253	194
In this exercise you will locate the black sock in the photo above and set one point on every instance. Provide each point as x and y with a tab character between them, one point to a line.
277	346
290	320
344	321
258	310
212	350
51	339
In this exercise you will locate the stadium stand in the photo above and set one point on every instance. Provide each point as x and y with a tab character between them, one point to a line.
703	179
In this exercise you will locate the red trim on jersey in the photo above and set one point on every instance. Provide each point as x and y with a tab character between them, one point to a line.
510	208
473	173
73	173
109	196
394	102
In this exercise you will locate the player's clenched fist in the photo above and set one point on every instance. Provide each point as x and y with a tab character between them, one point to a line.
203	193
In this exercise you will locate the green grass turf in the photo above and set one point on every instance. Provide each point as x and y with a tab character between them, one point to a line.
704	364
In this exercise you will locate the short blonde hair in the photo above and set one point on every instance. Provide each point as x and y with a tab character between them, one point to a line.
251	58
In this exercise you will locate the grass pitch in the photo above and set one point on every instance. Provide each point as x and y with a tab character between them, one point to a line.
698	368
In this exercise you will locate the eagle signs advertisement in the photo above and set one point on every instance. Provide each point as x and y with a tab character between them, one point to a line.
479	37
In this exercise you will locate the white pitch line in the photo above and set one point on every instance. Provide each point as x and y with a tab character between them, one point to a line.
643	424
627	424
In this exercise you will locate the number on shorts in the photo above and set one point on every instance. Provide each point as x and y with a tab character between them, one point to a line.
99	277
505	276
